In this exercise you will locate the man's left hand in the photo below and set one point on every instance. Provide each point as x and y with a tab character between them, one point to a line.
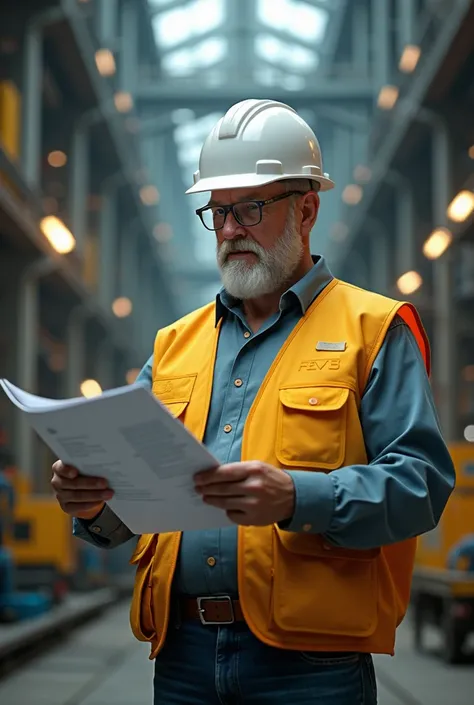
251	493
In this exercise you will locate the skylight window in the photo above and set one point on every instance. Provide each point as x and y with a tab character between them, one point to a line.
184	62
285	54
297	18
176	26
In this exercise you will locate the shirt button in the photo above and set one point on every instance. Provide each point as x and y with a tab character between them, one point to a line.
246	334
307	527
238	383
211	561
96	529
313	401
228	428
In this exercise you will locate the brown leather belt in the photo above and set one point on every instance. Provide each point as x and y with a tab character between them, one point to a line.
211	610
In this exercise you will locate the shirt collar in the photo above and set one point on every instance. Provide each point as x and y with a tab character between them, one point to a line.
302	293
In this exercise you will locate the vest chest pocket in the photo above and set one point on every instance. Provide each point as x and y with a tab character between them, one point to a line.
311	427
174	393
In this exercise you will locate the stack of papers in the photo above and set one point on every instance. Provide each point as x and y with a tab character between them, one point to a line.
128	437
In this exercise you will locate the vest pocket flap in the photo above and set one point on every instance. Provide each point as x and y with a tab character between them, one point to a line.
174	390
314	398
143	544
315	545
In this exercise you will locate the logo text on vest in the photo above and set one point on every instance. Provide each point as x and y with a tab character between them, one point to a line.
310	365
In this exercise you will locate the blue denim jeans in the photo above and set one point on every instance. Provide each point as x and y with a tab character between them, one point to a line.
227	665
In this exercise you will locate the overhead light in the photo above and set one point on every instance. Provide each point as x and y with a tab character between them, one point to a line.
409	58
362	174
437	243
123	102
90	388
122	307
352	194
339	232
105	62
60	238
388	96
57	159
469	433
461	207
149	195
132	375
163	232
409	282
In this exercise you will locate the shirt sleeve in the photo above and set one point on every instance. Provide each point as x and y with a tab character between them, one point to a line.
106	530
403	490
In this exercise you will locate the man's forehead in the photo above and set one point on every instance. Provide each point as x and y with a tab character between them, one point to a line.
224	196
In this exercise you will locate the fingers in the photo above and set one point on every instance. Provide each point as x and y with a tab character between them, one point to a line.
79	494
232	472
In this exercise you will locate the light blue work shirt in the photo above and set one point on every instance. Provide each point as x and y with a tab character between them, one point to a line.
401	493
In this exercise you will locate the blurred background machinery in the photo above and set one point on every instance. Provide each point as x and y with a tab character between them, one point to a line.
104	105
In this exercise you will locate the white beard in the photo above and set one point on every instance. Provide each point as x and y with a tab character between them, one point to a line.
274	268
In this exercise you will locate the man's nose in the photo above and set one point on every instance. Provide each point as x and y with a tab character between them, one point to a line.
232	228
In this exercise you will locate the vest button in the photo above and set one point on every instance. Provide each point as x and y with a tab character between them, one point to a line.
228	428
96	529
307	527
238	383
313	401
246	334
211	561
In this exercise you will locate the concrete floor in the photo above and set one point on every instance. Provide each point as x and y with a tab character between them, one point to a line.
102	664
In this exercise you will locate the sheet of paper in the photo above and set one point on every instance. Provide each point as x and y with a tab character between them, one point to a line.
128	437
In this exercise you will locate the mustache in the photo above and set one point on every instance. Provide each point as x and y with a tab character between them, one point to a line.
230	246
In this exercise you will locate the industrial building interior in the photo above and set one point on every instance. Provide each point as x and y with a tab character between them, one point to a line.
104	107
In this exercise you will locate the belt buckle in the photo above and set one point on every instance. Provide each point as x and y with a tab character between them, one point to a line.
222	598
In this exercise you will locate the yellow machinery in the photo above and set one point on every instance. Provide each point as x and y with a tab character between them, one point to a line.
43	547
443	581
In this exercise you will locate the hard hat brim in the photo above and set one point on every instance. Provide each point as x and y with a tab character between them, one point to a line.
233	181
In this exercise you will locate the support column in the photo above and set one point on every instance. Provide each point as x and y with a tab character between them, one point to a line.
28	317
241	23
107	22
406	13
76	350
380	256
79	185
361	38
444	348
33	105
406	250
380	42
129	47
108	246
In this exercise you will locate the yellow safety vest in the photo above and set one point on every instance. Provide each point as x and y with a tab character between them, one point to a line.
296	590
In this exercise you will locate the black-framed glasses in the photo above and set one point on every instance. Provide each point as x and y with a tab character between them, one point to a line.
246	213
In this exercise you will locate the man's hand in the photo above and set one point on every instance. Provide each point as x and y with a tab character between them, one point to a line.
80	496
251	493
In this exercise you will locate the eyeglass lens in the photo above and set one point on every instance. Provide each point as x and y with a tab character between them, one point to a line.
247	213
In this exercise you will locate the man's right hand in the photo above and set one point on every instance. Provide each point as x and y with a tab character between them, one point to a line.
79	495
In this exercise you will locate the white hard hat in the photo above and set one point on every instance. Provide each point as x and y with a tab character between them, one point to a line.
259	142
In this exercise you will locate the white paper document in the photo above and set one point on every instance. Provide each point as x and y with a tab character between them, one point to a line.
128	437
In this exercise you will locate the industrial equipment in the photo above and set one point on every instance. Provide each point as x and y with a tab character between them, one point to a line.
14	604
443	581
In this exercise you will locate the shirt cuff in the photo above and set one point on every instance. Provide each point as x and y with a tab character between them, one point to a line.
314	502
103	528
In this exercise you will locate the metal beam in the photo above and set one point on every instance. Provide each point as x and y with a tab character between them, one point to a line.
189	93
391	145
287	37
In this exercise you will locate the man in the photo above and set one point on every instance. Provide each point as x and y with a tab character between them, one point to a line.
315	397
